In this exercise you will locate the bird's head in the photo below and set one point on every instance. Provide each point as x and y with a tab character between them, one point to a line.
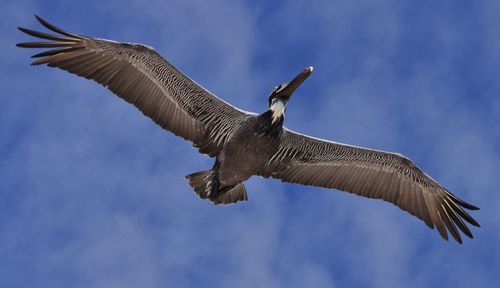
281	94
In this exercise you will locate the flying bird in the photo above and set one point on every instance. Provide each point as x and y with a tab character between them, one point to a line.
243	143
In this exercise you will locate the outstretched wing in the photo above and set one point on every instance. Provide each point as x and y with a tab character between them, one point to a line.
143	78
370	173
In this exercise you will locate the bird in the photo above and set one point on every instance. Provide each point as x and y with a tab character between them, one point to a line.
246	144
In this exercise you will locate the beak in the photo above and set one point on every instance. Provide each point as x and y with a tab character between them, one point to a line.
291	86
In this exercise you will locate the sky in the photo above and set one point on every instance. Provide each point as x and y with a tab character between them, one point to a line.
92	193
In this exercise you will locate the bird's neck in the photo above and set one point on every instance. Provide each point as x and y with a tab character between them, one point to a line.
270	123
277	111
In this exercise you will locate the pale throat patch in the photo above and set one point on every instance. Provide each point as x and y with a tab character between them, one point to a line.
278	108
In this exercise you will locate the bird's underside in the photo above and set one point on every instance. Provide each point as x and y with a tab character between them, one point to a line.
243	143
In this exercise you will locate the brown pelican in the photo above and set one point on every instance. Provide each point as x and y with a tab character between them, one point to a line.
246	144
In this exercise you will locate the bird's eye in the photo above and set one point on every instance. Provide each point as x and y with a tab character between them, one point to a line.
273	92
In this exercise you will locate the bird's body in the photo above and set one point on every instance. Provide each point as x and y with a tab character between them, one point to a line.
246	144
249	149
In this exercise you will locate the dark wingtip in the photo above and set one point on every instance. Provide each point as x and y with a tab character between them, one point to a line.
443	233
467	205
472	207
39	18
462	202
56	29
25	45
42	21
456	235
22	29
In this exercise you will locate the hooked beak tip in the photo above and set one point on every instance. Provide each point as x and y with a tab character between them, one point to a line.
295	82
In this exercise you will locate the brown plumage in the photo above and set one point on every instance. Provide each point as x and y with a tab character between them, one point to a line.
244	143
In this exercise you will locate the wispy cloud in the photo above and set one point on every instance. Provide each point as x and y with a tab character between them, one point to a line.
92	193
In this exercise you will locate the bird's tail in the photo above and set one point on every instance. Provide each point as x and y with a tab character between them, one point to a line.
206	185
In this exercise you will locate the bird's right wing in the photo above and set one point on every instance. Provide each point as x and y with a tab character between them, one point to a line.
369	173
143	78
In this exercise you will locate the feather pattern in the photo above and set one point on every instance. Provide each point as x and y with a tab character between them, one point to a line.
140	76
370	173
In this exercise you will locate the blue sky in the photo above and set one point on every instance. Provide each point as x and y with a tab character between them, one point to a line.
92	194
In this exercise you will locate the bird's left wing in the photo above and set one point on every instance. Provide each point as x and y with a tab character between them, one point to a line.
140	76
369	173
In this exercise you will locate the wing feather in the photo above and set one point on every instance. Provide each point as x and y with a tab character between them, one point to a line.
140	76
373	174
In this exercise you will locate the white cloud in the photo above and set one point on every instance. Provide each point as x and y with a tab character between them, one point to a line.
94	194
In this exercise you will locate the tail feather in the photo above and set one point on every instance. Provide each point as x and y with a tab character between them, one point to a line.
206	185
234	194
